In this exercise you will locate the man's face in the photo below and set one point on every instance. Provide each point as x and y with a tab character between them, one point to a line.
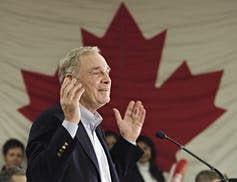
14	157
94	76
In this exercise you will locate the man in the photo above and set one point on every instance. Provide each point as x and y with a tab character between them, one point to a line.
14	174
66	143
13	152
207	176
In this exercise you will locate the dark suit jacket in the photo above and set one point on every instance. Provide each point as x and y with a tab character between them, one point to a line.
53	156
134	175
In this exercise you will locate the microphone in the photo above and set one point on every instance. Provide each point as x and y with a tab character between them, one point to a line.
163	136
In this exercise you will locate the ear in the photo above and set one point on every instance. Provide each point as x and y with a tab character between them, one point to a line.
68	76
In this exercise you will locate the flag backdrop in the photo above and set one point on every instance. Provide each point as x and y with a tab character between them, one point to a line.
179	58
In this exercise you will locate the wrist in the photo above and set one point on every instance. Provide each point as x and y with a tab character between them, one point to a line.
72	120
129	138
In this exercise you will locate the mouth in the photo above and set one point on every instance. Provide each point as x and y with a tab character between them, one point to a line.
104	90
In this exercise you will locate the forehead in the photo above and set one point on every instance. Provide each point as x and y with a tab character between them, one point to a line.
15	150
92	61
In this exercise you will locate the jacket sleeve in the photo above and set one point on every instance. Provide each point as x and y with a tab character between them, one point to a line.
48	149
125	155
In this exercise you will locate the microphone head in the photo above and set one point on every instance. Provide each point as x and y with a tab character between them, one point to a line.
161	135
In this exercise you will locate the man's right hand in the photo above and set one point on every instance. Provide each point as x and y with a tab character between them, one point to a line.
70	94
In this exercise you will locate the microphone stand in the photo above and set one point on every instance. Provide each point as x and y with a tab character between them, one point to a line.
161	135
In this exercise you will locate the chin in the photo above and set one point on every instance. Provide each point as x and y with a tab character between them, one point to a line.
105	100
102	99
108	100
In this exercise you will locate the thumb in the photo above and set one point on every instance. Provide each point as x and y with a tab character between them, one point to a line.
117	115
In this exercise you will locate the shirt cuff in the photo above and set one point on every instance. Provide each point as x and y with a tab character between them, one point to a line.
70	127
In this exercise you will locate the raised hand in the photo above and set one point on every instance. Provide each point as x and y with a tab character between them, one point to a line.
130	125
70	94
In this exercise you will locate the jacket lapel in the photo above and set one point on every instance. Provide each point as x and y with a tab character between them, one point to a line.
85	142
113	171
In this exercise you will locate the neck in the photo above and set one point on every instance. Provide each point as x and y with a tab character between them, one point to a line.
88	107
143	163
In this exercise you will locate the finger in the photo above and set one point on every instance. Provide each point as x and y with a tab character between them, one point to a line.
129	109
141	108
143	116
136	109
68	89
117	115
65	83
73	92
79	93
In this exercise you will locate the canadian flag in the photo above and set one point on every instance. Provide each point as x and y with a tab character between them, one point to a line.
179	58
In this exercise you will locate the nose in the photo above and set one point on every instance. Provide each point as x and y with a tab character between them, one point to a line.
106	78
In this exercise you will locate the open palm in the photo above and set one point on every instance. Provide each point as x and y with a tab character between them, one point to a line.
130	125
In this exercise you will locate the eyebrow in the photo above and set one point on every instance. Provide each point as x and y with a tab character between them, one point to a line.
98	68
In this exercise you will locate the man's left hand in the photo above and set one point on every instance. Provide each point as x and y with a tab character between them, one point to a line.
130	125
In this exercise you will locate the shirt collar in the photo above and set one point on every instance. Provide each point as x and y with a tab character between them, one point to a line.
89	119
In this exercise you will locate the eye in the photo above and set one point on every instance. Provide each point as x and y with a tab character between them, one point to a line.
96	72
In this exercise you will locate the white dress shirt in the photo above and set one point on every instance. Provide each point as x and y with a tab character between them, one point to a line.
90	121
144	170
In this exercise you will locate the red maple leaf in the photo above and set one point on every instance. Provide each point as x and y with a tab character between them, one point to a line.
43	92
183	104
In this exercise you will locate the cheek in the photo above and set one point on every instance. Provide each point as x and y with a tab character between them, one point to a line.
9	160
148	154
6	159
88	89
90	86
19	159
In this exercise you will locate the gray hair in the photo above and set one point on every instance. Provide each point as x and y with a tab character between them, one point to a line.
69	63
6	175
